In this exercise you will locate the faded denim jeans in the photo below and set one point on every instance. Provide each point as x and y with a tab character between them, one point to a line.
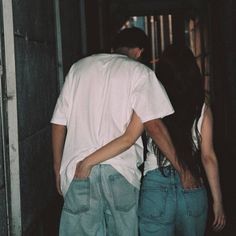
166	209
105	204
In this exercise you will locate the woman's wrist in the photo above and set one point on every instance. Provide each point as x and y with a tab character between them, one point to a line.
88	161
217	201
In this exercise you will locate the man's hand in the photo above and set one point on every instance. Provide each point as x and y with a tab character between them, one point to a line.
83	170
188	181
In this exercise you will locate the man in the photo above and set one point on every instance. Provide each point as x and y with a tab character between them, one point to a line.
95	106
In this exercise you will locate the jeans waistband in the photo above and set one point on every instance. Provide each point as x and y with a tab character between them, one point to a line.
168	170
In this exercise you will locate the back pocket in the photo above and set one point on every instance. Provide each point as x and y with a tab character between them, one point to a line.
77	198
124	194
153	201
196	201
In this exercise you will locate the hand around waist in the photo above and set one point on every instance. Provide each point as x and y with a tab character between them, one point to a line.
83	170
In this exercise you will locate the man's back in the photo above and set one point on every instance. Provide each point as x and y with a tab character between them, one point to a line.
101	90
96	104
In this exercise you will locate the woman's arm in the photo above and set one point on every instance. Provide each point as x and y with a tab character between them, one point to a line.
113	148
210	165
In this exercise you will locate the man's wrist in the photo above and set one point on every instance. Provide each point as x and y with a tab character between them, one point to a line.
56	170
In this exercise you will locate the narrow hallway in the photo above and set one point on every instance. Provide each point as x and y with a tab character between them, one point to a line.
39	42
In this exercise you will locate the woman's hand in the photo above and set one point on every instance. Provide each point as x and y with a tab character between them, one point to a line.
219	217
83	169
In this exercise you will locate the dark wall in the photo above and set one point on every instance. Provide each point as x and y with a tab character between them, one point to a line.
94	28
223	47
92	23
70	32
36	95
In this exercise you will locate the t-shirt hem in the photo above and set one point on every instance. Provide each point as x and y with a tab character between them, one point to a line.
58	122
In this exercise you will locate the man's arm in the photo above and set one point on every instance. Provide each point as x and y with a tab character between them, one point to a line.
58	140
159	133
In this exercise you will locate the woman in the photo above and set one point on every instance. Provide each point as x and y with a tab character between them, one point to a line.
165	207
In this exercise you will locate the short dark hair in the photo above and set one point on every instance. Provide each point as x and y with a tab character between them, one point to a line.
131	38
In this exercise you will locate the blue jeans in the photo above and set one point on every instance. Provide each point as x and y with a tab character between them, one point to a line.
166	209
104	204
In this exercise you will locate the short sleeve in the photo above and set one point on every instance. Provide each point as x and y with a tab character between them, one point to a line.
150	100
62	108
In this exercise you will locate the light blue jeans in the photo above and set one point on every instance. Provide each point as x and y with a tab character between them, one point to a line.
166	209
104	204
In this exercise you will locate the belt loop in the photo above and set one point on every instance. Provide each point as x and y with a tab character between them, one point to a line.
173	171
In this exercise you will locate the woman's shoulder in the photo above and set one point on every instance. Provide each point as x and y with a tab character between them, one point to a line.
204	112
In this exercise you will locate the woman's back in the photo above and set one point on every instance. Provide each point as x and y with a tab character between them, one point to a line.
178	72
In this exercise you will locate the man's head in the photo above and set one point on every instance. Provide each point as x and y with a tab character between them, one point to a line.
130	41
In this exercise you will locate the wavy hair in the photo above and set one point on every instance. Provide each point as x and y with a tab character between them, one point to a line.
180	75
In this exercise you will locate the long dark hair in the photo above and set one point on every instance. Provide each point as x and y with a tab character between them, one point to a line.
180	75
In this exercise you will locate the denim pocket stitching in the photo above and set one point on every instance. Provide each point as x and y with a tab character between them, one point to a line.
71	203
117	184
198	194
160	191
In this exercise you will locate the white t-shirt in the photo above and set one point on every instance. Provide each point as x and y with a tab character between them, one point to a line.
96	104
151	160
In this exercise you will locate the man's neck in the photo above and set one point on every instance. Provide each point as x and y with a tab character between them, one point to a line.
123	51
133	53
